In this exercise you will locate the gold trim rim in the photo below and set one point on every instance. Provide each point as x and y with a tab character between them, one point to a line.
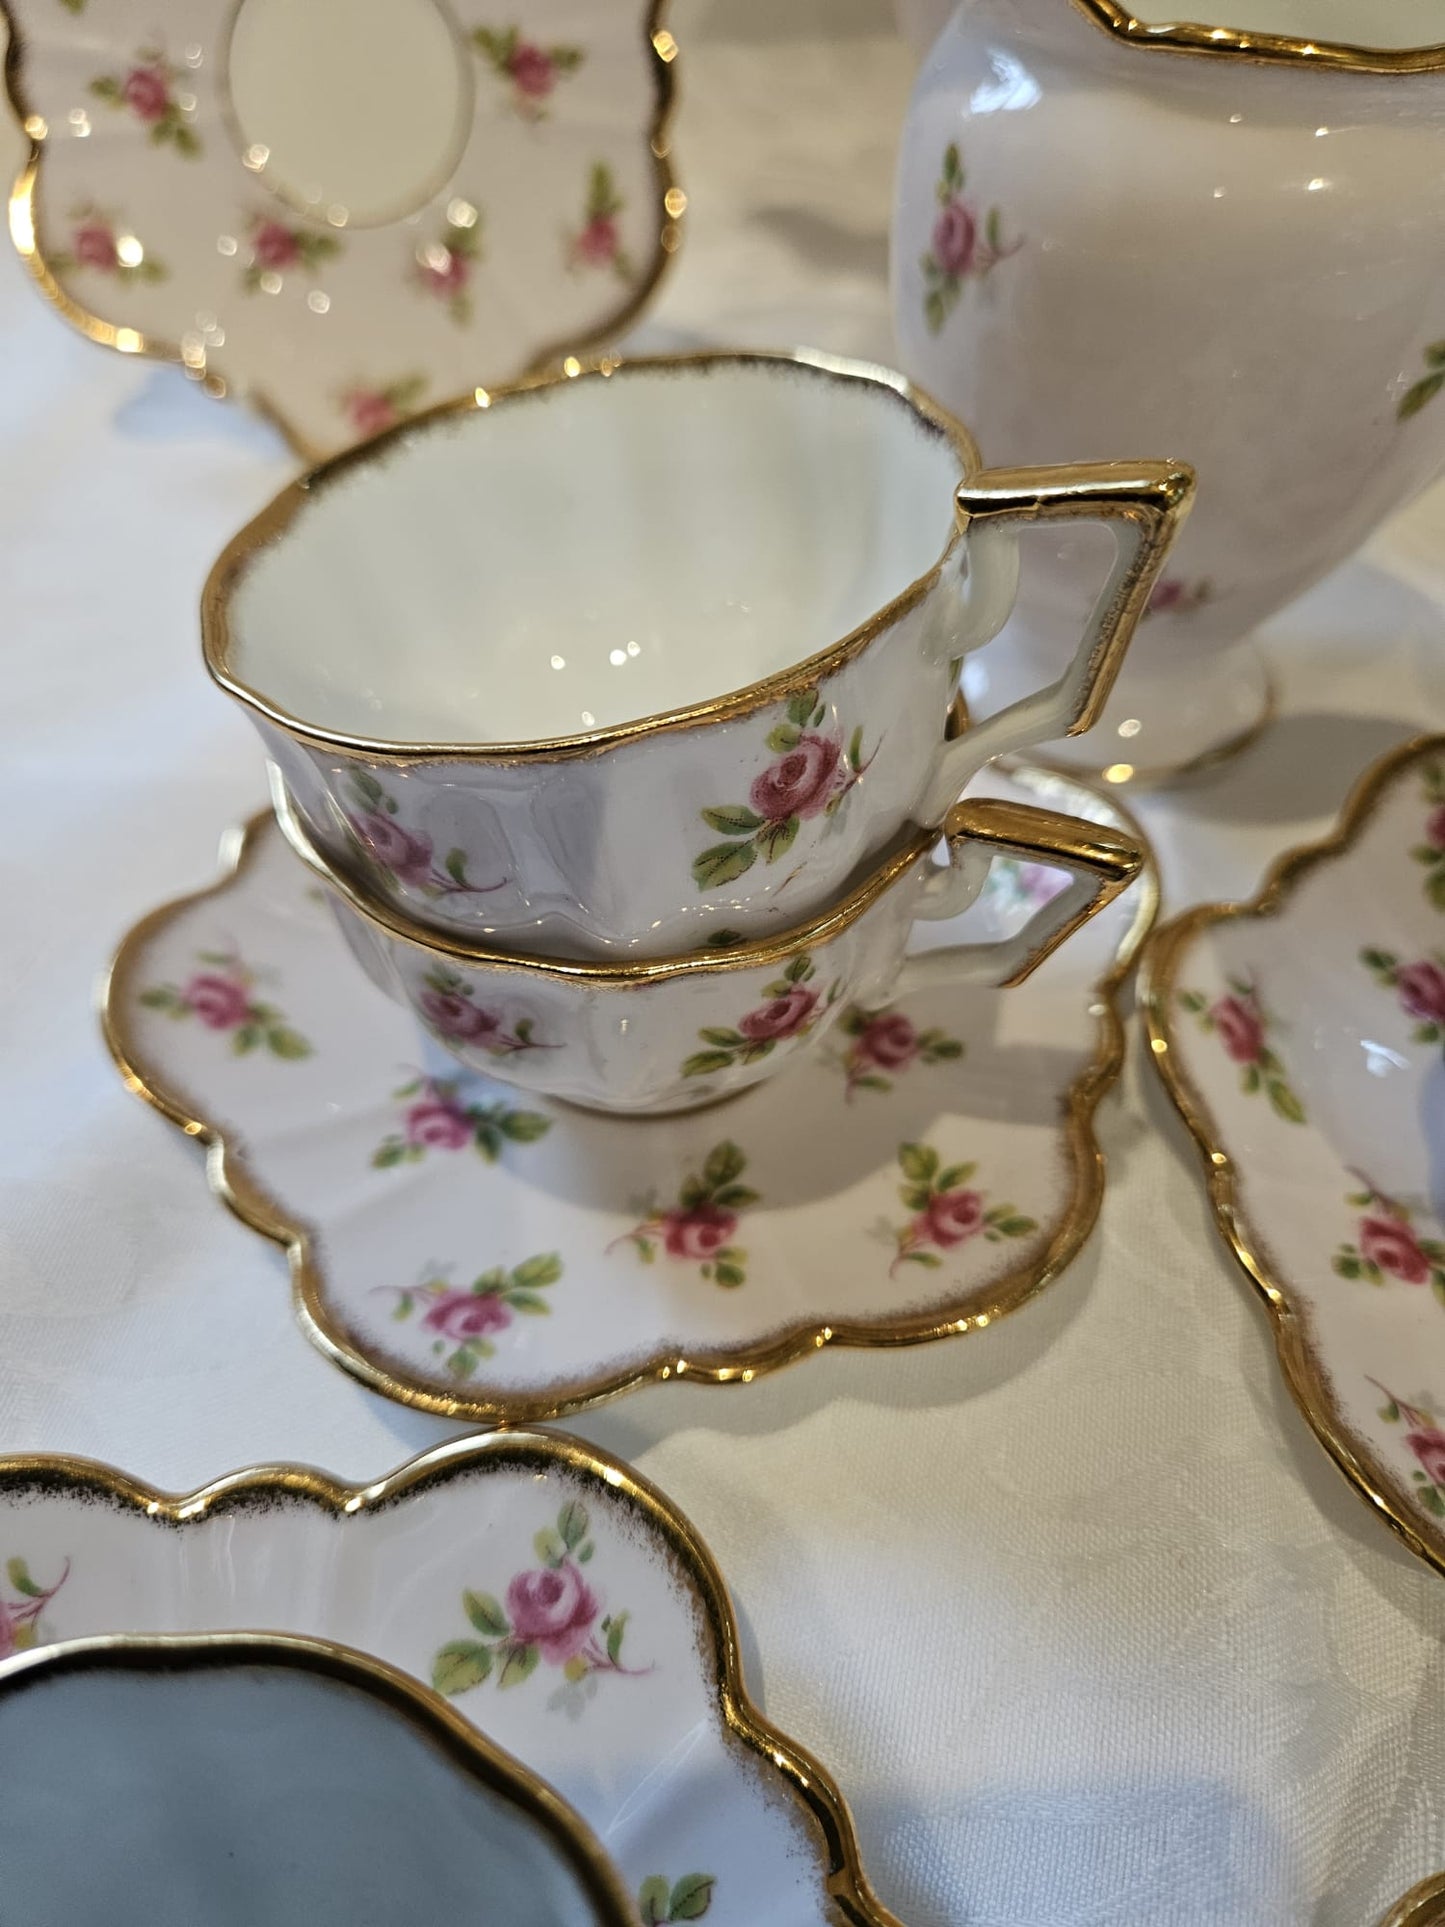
1239	43
1303	1371
231	1182
272	522
1422	1906
23	225
845	1880
467	1749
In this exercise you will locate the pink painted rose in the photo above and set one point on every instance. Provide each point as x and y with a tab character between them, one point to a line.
785	1016
955	238
698	1234
406	853
461	1315
1393	1246
1435	828
458	1017
221	1003
597	243
8	1625
449	279
370	411
1428	1447
94	246
1168	593
799	783
532	70
275	245
147	92
1422	991
1240	1029
553	1609
890	1041
953	1216
438	1122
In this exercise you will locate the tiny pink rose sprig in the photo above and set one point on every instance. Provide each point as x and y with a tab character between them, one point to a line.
700	1228
1386	1245
448	1006
531	72
791	1011
443	268
947	1210
548	1616
1427	387
466	1319
437	1119
1425	1437
20	1614
661	1901
962	247
398	855
222	997
1419	986
597	244
95	245
885	1044
370	408
1239	1021
811	777
1430	850
1172	595
147	90
279	246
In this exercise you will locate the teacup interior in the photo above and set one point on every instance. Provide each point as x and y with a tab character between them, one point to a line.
594	552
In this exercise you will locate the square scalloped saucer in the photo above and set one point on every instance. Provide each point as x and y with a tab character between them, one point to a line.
556	1600
348	211
1300	1036
493	1257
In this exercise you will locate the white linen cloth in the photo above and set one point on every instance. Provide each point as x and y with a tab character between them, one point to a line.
1077	1611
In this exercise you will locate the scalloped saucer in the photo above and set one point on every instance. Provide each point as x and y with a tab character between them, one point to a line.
558	1602
486	1256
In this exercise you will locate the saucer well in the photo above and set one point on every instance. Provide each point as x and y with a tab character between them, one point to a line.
490	1256
1300	1036
554	1599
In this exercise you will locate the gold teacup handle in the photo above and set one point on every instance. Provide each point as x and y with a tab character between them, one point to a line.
1423	1906
1102	861
1143	504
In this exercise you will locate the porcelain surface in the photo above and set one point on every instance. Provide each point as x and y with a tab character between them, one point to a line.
256	1778
604	663
1102	246
560	1605
483	1256
344	213
1300	1035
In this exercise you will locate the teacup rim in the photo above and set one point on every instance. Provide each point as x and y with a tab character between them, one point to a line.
467	1749
272	523
1186	36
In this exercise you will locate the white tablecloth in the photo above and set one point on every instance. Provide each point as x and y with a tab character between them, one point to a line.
1076	1609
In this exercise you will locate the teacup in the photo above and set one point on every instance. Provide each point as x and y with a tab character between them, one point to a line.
671	1034
596	664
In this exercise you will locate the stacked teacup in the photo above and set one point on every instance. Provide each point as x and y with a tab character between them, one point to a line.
617	710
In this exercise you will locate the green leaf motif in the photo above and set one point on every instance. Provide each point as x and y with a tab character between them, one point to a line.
617	1626
18	1573
1435	889
524	1127
1415	397
485	1613
724	1163
855	748
1285	1102
534	1273
653	1899
520	1664
572	1524
733	821
724	1039
283	1042
1347	1266
955	1175
704	1063
530	1303
691	1896
918	1162
785	737
801	707
799	970
549	1547
456	867
727	1273
459	1666
723	863
778	837
1433	1499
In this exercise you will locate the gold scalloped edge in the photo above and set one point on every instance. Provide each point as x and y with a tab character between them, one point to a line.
1423	1906
1304	1372
810	1784
1240	43
233	1183
662	52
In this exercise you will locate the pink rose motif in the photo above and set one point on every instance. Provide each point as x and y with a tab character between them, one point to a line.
448	280
1392	1246
458	1017
890	1041
1435	828
147	92
8	1623
1240	1029
955	238
1428	1447
1167	594
785	1016
436	1121
370	411
1422	991
275	246
461	1315
221	1003
597	243
406	853
952	1217
698	1234
532	70
94	246
554	1610
799	783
